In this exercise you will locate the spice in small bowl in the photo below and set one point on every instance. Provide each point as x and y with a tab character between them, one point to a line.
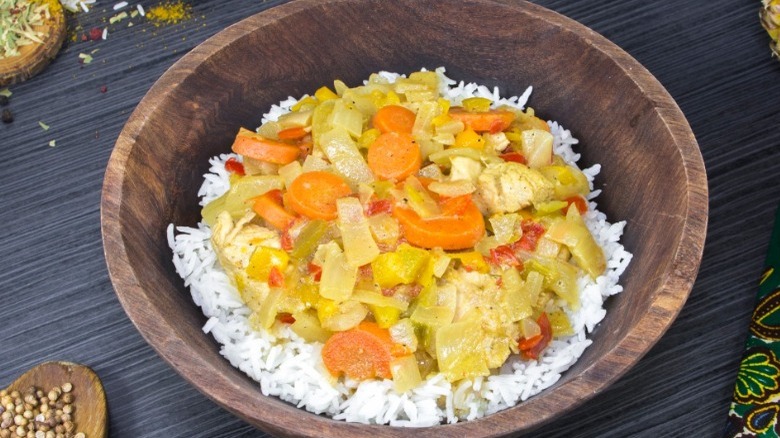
35	413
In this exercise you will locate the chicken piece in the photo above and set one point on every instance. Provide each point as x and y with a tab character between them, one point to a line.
234	243
497	142
508	187
472	290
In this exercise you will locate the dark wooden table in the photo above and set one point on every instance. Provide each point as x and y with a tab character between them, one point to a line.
57	303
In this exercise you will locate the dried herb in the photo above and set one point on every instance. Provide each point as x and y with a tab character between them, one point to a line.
17	18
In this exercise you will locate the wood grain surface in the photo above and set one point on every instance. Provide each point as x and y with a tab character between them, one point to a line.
57	303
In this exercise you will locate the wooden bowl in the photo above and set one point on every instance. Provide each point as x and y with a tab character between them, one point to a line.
652	172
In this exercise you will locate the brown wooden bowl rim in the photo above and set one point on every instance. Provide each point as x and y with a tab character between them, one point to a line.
672	294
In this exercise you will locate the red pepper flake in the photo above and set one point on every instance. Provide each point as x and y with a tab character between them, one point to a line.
499	281
95	34
285	318
532	231
414	290
365	271
531	348
232	165
275	277
315	271
515	157
579	202
103	89
84	37
504	256
287	240
379	206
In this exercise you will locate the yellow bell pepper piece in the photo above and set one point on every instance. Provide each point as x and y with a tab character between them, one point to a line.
367	137
468	138
476	104
326	309
385	316
403	266
324	93
263	259
306	103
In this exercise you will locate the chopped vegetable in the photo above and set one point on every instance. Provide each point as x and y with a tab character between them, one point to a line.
359	245
255	146
314	194
394	118
234	166
264	259
489	121
531	348
338	276
361	353
294	133
394	156
269	207
402	266
447	232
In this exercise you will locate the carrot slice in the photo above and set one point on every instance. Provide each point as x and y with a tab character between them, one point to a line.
314	194
492	121
448	232
394	118
361	353
394	156
292	133
269	207
252	145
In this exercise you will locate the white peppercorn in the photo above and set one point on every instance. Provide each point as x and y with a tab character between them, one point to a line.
35	413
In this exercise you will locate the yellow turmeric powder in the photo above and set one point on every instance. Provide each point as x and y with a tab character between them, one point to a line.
169	12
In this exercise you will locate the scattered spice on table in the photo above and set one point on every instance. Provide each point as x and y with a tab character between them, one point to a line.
52	143
47	414
103	89
169	13
17	19
43	126
7	116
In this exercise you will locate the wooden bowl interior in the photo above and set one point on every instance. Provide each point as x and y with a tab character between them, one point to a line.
193	112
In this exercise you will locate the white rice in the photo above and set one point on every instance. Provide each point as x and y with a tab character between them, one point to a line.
291	369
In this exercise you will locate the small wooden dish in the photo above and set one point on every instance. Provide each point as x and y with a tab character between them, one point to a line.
35	57
652	172
90	414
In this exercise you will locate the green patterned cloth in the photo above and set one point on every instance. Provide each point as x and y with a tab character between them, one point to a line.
755	408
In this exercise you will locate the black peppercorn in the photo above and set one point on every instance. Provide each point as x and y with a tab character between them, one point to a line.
8	116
